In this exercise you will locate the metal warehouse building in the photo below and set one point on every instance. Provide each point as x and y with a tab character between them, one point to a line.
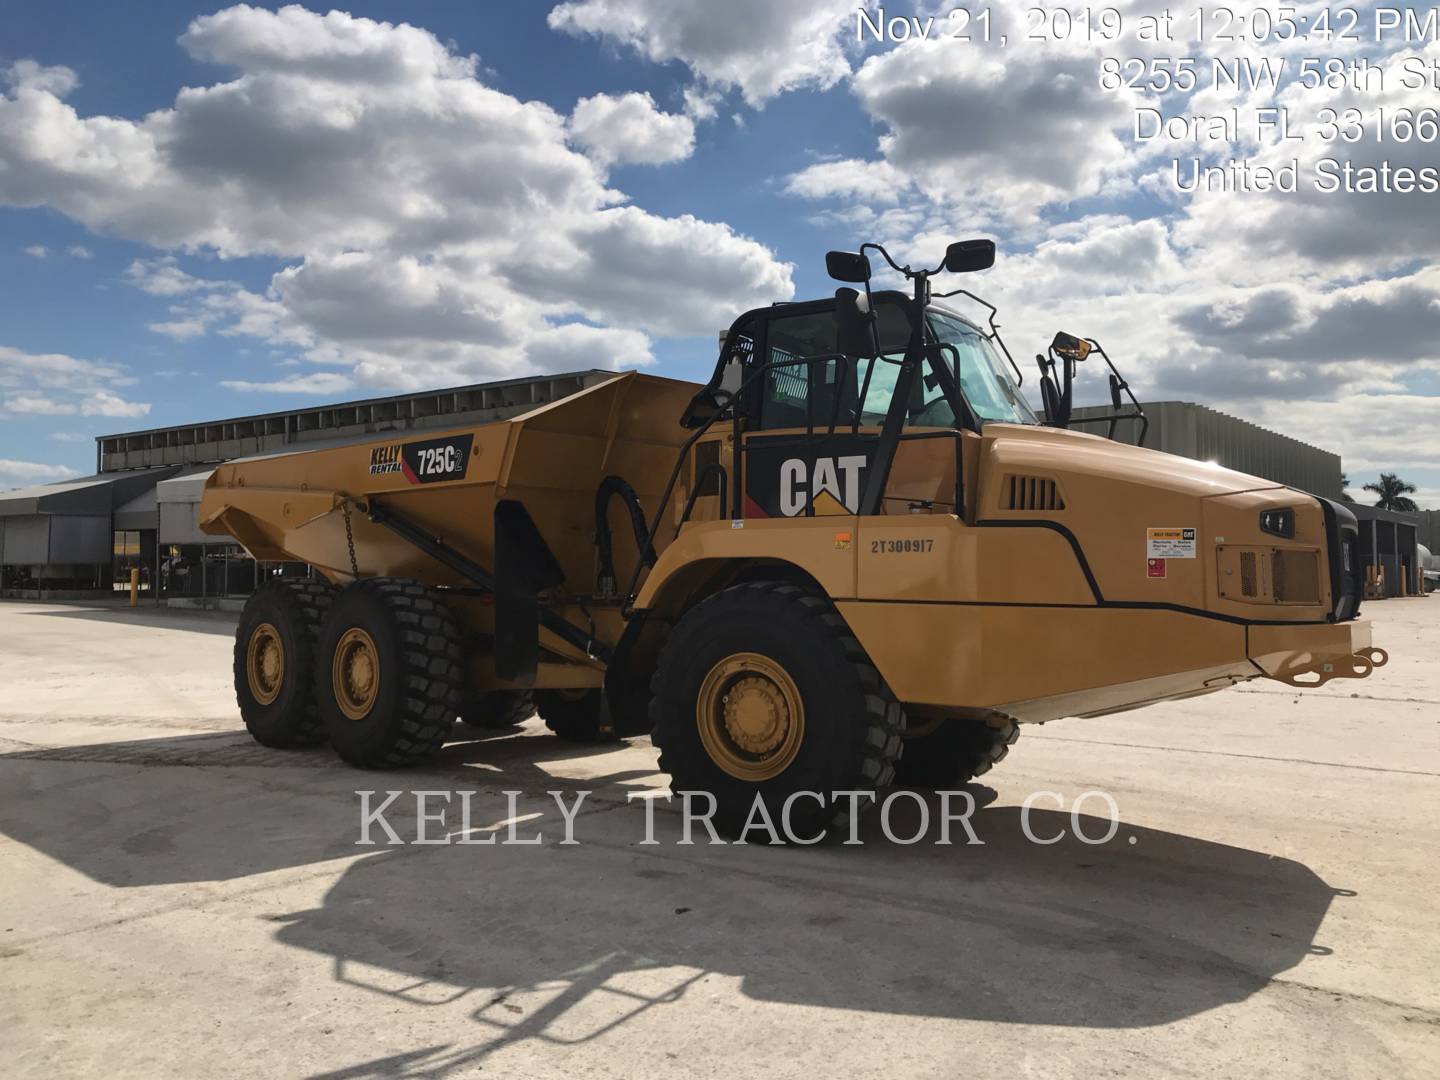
80	538
1206	434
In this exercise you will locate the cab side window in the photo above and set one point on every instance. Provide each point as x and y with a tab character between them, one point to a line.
791	391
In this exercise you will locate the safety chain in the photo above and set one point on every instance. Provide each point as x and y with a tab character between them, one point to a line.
350	540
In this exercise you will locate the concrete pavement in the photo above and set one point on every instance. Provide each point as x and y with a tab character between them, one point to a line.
177	900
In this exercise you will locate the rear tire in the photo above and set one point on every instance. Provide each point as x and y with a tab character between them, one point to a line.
388	673
576	715
274	662
954	753
762	691
498	709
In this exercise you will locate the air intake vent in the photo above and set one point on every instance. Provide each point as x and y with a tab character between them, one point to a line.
1297	577
1031	493
1248	586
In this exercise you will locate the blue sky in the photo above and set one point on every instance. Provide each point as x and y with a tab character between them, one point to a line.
210	211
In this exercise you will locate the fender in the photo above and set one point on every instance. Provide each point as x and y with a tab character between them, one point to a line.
822	548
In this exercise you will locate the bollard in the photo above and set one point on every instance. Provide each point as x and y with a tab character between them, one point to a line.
134	586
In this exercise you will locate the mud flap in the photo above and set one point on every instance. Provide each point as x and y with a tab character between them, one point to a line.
627	678
524	565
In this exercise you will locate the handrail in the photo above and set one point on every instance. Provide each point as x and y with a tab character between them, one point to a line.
1115	417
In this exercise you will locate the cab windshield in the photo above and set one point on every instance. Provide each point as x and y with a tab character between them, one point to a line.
985	377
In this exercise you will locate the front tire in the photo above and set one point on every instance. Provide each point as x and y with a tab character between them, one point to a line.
274	662
388	673
761	691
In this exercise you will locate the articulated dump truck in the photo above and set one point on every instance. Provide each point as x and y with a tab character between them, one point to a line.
856	557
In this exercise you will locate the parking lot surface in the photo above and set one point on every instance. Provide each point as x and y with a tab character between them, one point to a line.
177	900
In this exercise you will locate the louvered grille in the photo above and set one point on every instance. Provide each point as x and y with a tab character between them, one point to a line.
1248	583
1032	493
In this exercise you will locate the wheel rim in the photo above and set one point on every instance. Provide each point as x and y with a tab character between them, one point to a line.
355	673
265	663
751	717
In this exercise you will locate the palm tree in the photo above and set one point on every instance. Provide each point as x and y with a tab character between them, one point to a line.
1345	495
1393	491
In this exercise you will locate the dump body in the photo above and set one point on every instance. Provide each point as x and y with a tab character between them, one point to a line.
291	506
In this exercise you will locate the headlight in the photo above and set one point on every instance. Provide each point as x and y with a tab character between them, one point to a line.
1278	523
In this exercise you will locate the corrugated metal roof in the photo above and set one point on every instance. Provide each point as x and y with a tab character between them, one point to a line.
93	495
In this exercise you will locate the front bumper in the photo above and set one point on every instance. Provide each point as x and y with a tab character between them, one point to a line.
1312	655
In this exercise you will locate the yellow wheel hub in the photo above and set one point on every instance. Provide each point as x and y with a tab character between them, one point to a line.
265	663
750	716
355	673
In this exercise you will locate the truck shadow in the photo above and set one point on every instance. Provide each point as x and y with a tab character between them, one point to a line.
564	944
147	614
216	806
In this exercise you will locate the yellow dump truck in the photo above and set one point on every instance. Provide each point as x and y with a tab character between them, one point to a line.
855	557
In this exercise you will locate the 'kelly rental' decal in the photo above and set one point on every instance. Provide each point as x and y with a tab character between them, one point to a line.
424	462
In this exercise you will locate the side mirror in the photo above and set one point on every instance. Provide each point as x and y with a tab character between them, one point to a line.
854	324
1115	391
967	256
1070	347
847	266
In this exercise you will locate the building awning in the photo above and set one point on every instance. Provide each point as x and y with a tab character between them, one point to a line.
139	513
185	488
179	505
87	496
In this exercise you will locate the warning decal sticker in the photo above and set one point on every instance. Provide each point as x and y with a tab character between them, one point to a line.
1170	543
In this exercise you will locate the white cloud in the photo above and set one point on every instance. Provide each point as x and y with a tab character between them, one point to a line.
763	47
28	75
876	182
74	251
55	371
52	384
320	382
38	405
431	225
630	130
163	277
14	474
181	329
701	104
104	403
1002	133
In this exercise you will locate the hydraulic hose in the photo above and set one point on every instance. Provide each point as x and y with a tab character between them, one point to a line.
611	486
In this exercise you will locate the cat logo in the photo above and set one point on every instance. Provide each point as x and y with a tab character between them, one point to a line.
830	486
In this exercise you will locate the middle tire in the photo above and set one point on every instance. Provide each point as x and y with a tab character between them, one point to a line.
761	691
955	753
388	673
498	709
576	715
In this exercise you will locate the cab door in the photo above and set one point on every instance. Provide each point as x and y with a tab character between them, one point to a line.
804	455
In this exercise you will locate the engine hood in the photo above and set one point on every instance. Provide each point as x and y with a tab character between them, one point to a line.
1055	451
